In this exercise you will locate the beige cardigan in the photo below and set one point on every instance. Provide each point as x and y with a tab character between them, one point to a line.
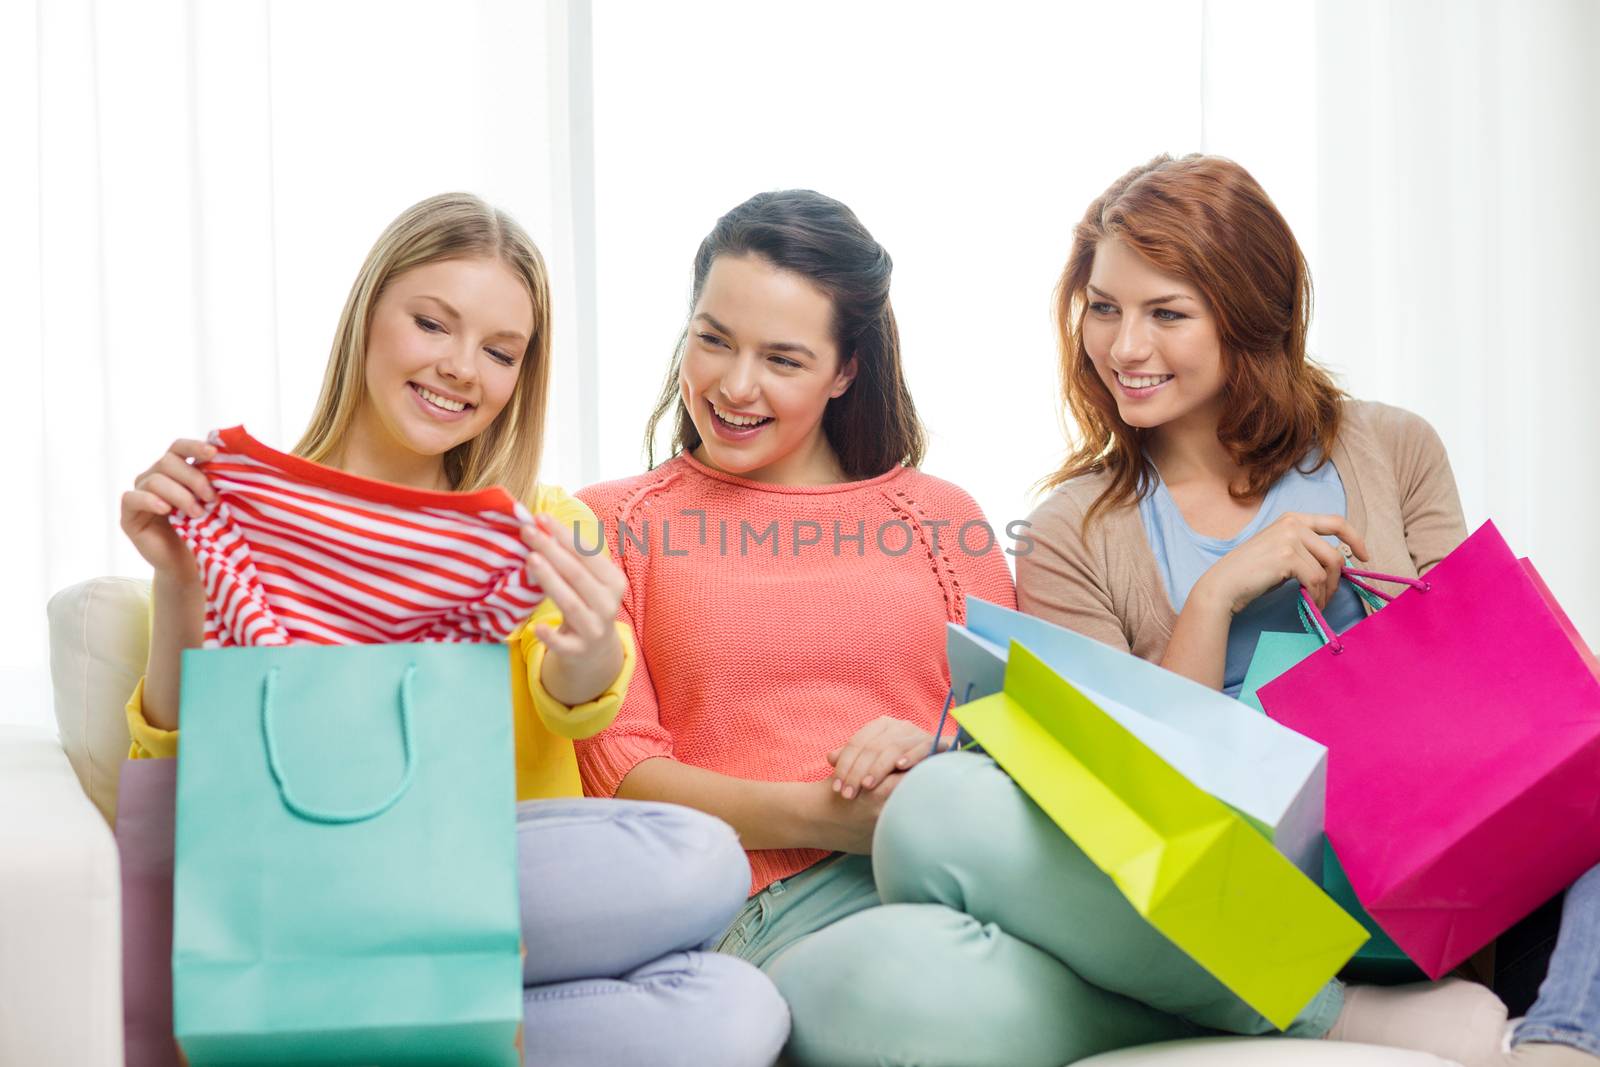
1103	582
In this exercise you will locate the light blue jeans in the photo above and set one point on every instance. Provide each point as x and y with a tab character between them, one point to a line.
619	901
978	935
1568	1009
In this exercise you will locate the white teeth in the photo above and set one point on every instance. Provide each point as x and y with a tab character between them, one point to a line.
440	402
739	420
1144	382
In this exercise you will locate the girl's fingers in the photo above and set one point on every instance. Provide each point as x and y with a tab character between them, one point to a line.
600	564
878	766
1326	524
877	760
575	614
915	753
139	502
190	477
1338	526
605	572
190	448
1309	573
1357	543
1330	588
1332	562
833	757
566	561
1325	553
841	766
841	770
175	495
853	763
852	766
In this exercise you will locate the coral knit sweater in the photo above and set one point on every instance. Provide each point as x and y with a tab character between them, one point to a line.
773	622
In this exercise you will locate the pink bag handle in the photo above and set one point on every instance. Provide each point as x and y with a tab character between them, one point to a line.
1355	578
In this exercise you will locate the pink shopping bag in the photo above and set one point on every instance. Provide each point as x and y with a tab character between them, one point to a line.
1463	731
146	796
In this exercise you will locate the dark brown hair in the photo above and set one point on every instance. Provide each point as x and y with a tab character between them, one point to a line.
873	427
1203	219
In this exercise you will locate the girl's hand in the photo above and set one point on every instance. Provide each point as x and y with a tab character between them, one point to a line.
849	824
881	748
171	482
1292	547
585	652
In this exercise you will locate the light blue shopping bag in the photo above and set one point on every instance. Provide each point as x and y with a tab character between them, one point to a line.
346	880
1269	774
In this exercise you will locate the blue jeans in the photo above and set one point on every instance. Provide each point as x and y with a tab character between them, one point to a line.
619	901
1568	1009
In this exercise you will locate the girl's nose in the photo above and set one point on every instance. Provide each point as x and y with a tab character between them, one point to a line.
1131	345
740	384
459	364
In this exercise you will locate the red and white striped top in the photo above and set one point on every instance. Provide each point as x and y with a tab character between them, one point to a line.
295	552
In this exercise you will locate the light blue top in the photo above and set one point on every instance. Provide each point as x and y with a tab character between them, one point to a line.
1182	556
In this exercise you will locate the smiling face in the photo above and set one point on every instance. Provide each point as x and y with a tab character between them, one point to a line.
1152	339
444	349
758	371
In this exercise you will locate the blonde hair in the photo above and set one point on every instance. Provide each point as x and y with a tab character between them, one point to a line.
448	226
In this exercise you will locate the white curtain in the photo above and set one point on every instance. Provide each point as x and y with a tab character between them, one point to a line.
968	141
194	184
1458	143
191	187
1435	158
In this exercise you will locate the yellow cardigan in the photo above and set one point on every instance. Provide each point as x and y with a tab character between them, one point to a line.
544	728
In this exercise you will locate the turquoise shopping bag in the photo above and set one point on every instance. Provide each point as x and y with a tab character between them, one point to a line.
345	888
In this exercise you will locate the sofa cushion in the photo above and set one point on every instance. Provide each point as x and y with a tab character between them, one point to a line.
99	637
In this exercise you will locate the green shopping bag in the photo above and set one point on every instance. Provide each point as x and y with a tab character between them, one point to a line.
345	889
1189	864
1380	960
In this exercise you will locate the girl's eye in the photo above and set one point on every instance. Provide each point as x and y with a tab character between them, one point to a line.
711	339
783	362
427	324
1168	315
501	358
1102	308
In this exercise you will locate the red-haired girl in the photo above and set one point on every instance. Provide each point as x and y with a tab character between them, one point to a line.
1218	470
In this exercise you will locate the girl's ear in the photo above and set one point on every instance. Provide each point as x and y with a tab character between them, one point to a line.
842	380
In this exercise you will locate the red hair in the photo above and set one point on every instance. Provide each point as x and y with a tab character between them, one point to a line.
1205	220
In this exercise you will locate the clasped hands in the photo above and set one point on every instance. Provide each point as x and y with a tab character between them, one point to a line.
878	756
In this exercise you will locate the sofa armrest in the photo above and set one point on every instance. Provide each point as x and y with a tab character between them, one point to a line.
60	912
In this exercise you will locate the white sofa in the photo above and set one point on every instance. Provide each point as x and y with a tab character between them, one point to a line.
60	918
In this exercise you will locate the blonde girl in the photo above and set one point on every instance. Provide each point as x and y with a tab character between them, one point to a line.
438	380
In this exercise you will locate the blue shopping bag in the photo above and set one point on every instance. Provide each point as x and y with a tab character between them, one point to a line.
345	888
1269	774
